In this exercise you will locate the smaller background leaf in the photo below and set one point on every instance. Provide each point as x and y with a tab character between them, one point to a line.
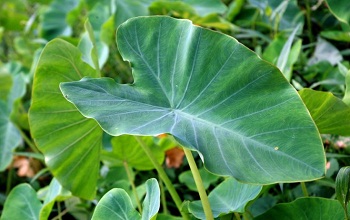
22	203
229	196
207	178
331	115
305	209
115	204
151	203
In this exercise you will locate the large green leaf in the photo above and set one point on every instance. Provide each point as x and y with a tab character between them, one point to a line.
331	115
213	95
70	143
305	209
22	203
229	196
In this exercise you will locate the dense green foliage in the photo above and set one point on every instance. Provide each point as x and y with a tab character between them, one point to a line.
97	98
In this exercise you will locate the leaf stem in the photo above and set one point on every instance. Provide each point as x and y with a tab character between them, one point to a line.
308	20
28	140
162	195
9	178
304	189
139	207
238	217
59	211
164	177
199	183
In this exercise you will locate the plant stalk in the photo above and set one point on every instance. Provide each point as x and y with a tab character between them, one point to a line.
238	217
304	189
164	177
9	178
132	186
308	20
28	141
162	195
199	183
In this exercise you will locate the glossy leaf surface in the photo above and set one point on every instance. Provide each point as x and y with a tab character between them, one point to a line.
21	203
70	143
229	196
331	115
305	209
238	111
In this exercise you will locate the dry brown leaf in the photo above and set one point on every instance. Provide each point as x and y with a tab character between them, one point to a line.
174	157
27	167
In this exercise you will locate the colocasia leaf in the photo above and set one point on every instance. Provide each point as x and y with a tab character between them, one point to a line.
213	95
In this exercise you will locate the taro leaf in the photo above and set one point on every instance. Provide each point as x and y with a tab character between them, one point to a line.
21	203
336	35
115	204
126	148
55	192
325	51
331	115
206	7
151	202
343	186
53	21
10	136
229	196
70	143
207	178
126	9
305	209
94	50
238	111
340	9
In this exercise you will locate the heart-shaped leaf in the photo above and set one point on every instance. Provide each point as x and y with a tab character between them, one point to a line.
229	196
70	143
213	95
21	203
